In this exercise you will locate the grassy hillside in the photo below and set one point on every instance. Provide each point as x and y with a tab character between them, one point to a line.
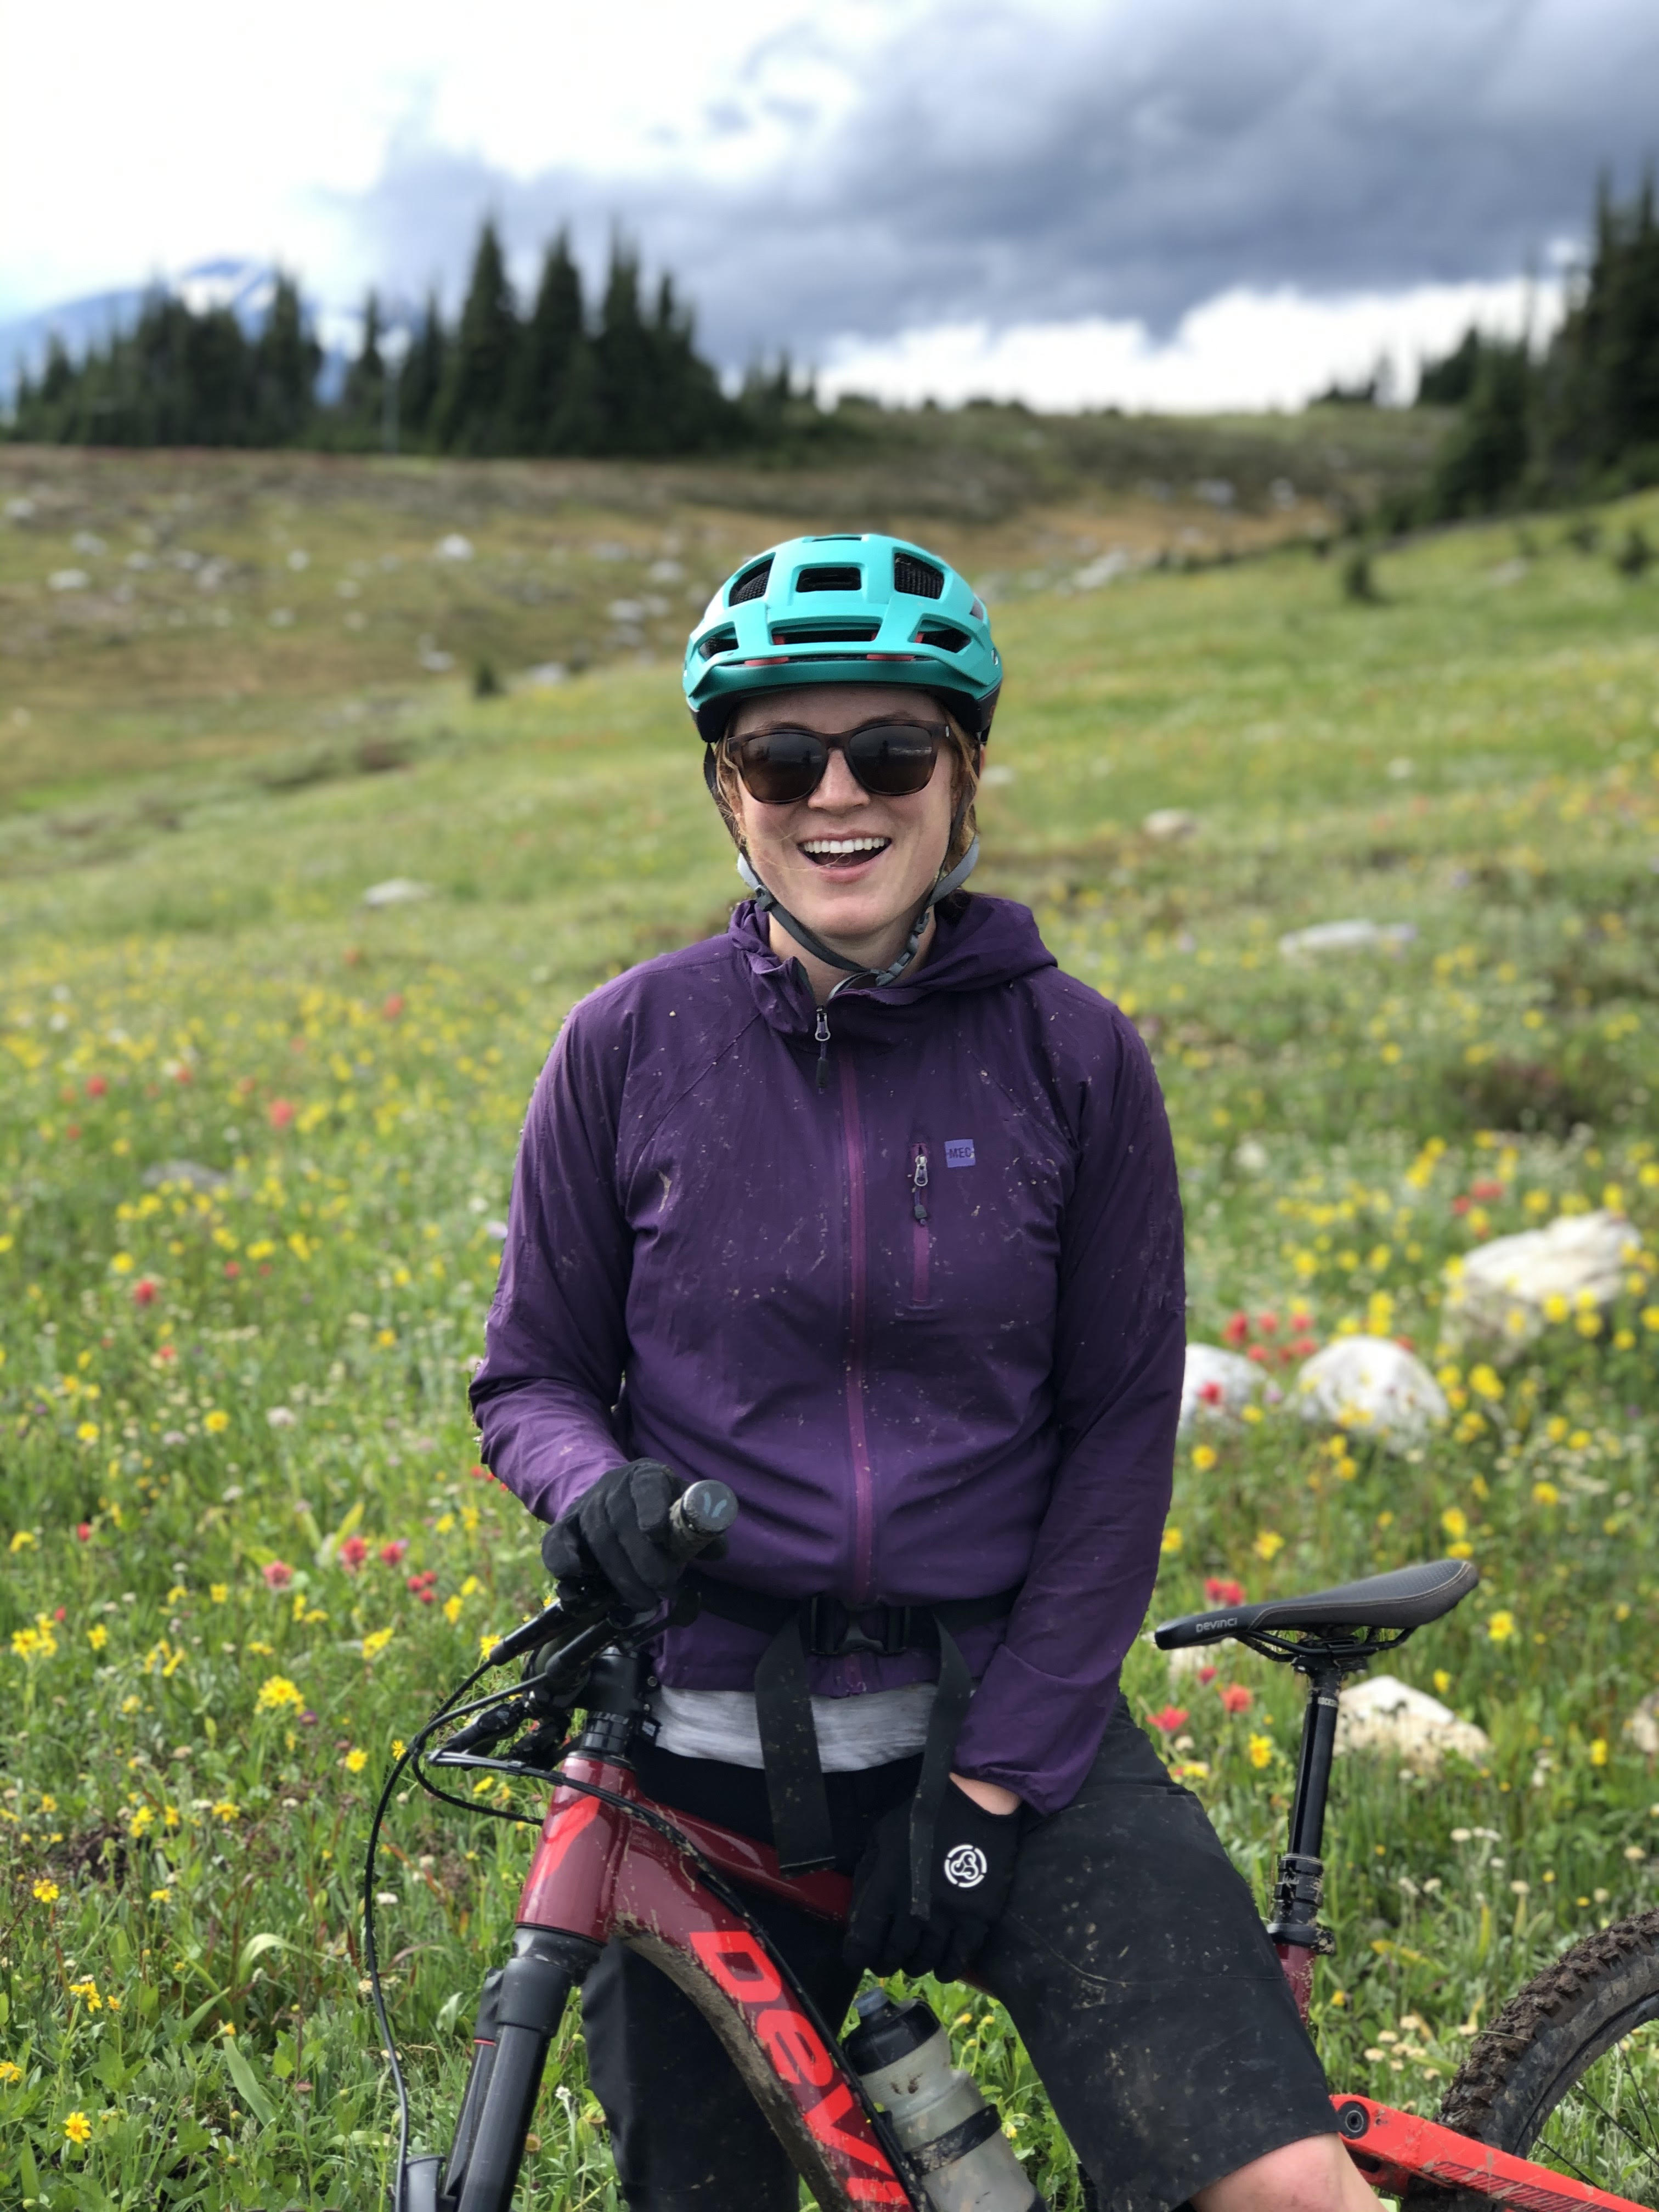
213	1386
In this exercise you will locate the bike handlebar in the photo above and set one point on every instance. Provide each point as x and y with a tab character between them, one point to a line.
697	1518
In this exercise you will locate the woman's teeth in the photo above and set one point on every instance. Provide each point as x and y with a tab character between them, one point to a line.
843	849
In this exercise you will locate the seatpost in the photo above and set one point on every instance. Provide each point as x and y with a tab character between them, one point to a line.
1294	1929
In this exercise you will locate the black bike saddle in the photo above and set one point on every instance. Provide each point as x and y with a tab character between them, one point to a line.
1408	1598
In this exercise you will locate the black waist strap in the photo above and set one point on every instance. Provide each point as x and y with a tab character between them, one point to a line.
825	1628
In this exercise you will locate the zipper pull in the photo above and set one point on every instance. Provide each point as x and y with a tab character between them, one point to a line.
918	1184
821	1038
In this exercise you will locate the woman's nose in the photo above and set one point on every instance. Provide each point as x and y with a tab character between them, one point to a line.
840	787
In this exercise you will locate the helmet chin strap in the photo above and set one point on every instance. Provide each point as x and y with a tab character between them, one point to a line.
878	980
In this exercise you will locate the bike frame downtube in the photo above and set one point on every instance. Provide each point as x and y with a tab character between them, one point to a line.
599	1872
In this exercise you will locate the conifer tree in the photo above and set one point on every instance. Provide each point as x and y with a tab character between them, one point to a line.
286	360
421	379
362	397
552	406
474	407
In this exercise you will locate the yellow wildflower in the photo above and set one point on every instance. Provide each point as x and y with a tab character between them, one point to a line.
277	1692
78	2128
10	2072
1260	1750
1204	1457
1454	1521
1485	1382
1501	1628
1598	1752
1171	1540
354	1760
218	1592
375	1642
216	1422
21	1540
98	1636
1268	1544
451	1610
1545	1494
47	1890
224	1810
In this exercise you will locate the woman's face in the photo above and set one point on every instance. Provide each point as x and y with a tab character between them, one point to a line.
852	866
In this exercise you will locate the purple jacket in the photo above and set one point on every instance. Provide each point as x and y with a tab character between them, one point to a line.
713	1262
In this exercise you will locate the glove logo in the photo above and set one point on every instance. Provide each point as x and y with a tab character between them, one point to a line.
966	1867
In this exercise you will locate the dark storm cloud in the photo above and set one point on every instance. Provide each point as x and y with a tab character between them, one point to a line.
1000	166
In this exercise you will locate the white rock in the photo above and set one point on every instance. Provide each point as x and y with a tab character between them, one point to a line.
545	675
1501	1287
19	510
1357	936
86	541
1643	1725
396	891
1373	1385
626	610
187	1174
435	662
666	572
281	1417
1384	1714
1215	1385
1167	823
454	547
1106	570
68	580
1250	1158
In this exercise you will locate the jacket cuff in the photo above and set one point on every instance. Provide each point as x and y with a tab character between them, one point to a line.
1033	1733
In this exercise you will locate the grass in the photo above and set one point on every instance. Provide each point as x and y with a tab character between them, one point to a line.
249	1541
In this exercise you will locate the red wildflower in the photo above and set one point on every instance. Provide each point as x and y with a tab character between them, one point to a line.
1487	1188
1266	1322
1220	1591
246	1085
1210	1393
60	1613
392	1553
280	1113
97	1086
71	1128
1207	1674
393	1007
1259	1352
165	1352
1301	1319
83	1530
232	1269
278	1574
1238	1328
1171	1718
1304	1347
1235	1697
352	1554
143	1292
1462	1204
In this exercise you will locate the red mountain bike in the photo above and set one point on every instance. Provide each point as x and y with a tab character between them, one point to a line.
1558	2106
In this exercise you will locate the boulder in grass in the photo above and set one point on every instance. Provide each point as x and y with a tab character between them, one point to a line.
396	891
1348	937
1507	1289
184	1175
1642	1728
1386	1715
1166	824
1373	1386
1216	1386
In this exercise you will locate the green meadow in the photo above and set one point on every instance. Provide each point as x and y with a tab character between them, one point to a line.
256	1134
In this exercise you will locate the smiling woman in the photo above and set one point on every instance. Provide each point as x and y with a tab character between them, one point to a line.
914	1292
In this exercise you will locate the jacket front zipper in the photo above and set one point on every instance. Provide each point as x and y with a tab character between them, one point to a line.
921	1234
821	1038
864	1533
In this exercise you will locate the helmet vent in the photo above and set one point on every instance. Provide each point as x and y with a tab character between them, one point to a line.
824	633
717	641
751	584
830	580
945	636
920	579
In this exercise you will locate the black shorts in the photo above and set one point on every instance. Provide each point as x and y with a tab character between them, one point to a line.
1131	1958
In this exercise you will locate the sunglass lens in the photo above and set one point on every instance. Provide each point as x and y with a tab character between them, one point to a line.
893	761
781	767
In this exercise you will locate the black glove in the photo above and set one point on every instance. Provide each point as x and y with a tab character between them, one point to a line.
618	1534
972	1860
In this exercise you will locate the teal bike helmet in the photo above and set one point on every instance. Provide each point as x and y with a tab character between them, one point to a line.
855	609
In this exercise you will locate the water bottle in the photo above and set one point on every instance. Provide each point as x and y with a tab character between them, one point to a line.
951	2139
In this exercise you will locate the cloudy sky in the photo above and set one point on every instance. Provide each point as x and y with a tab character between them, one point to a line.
1184	203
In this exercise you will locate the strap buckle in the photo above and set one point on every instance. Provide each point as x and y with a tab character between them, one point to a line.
834	1632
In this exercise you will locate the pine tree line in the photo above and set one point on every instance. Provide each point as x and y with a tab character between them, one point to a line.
555	380
1582	421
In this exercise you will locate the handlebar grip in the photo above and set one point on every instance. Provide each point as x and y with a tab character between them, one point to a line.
700	1516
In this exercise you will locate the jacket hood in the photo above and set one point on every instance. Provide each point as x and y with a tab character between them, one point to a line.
990	942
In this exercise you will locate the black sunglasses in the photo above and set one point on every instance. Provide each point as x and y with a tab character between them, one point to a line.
890	760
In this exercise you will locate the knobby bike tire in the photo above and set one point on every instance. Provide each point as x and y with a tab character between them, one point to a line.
1568	2073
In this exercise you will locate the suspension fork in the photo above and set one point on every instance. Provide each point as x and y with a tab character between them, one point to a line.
525	2009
